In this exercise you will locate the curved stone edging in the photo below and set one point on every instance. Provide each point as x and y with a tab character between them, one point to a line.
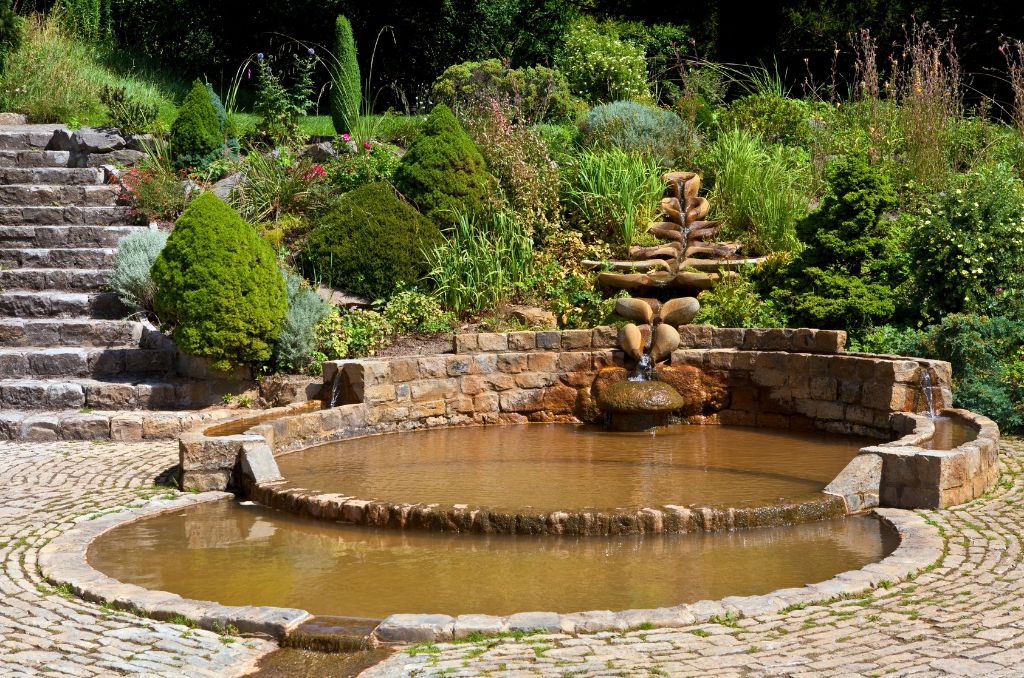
573	522
64	562
920	545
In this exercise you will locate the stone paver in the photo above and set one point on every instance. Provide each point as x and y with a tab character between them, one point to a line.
43	489
962	617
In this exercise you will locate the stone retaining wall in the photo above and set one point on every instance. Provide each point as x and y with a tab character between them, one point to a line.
798	379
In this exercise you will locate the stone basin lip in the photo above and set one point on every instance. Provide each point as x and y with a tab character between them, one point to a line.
64	562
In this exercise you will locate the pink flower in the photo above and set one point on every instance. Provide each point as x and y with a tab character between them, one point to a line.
366	145
345	137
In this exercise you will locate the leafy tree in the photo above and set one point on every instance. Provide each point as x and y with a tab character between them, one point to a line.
345	93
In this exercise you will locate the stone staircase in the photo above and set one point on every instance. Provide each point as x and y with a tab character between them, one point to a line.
71	367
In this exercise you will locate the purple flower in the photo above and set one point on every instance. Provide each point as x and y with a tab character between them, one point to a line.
260	56
276	153
311	51
999	290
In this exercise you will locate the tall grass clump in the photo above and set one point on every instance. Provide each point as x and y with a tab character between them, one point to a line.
612	194
760	190
482	261
55	76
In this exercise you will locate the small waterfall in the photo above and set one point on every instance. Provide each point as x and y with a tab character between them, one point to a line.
929	396
335	388
643	370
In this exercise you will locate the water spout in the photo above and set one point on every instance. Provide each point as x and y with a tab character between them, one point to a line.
644	369
929	396
335	388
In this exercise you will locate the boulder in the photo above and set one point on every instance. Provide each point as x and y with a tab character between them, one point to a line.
322	152
223	188
640	397
636	310
534	318
122	156
631	341
13	119
679	311
664	341
703	392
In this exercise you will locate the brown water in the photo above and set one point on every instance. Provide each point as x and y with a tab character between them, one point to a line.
950	433
244	423
249	555
550	467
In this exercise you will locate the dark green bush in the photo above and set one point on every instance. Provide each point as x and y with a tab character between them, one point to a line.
968	245
12	31
218	286
128	114
196	134
774	117
849	274
443	172
369	242
537	94
346	94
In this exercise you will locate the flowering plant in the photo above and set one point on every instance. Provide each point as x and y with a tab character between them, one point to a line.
152	193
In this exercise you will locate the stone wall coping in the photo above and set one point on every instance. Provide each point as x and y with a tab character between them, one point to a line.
64	562
669	518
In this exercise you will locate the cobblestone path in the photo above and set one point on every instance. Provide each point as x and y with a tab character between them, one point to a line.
43	489
963	617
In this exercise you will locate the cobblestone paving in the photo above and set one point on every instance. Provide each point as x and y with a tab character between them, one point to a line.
43	489
963	617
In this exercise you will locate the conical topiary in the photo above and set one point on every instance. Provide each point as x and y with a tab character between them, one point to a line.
345	93
443	171
218	286
196	134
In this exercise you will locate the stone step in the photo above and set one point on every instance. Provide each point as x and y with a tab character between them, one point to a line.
28	304
53	195
98	216
53	176
35	362
41	332
56	279
34	158
76	257
64	236
86	424
25	137
113	394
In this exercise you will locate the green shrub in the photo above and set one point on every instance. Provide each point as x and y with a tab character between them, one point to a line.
443	171
987	354
297	341
127	114
636	128
410	310
282	97
133	261
775	118
536	93
12	32
153	191
365	166
365	332
562	141
369	242
482	262
611	194
276	184
759	190
218	286
346	92
600	67
196	134
849	274
968	244
89	19
734	302
518	159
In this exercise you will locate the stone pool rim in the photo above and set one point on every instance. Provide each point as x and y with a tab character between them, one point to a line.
64	562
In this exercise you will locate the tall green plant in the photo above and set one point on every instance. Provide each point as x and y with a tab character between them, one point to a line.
611	193
481	262
761	191
12	31
89	19
345	83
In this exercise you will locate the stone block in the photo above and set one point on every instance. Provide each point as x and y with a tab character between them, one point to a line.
823	388
107	396
522	341
542	362
65	396
604	337
521	400
85	427
727	337
575	340
500	382
549	622
465	624
258	463
535	379
404	369
493	342
40	428
457	365
512	363
381	393
487	402
579	361
160	426
126	428
466	343
199	453
205	481
415	628
434	389
433	366
431	408
549	340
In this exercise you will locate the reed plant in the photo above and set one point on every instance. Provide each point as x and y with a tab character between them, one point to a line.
482	262
760	190
613	194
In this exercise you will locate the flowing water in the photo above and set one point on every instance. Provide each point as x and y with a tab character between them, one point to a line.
243	424
549	467
929	397
950	433
250	555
